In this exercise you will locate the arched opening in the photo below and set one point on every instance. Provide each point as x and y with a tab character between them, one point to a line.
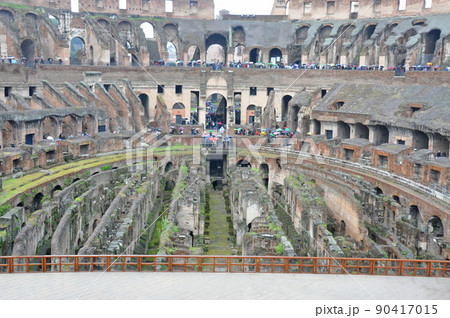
361	131
430	44
9	133
216	108
256	56
301	34
331	229
193	53
77	51
239	53
218	52
441	144
264	169
75	180
275	56
172	52
421	140
396	198
145	104
169	166
56	188
88	124
285	107
343	130
69	126
179	113
148	30
170	185
7	16
126	34
243	163
91	55
414	215
215	54
49	128
315	127
368	32
28	50
238	35
379	191
251	114
237	108
36	204
380	135
347	32
33	20
437	226
217	185
342	228
53	20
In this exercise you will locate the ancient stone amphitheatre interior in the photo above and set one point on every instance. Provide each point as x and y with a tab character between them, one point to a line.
316	136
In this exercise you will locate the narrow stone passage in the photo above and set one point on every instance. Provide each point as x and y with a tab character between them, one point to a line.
219	237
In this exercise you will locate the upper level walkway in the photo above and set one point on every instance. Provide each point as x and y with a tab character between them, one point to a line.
220	286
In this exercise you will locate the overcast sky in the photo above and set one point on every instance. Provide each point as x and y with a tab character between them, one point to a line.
244	6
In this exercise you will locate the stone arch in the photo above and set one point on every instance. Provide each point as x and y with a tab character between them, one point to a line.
285	107
396	198
170	31
216	48
315	127
251	114
178	112
437	226
77	51
379	191
301	34
32	19
420	140
275	56
36	204
172	52
69	126
342	228
243	163
239	53
56	188
50	127
193	53
361	131
105	25
414	215
325	31
28	49
126	34
380	135
347	30
148	29
9	133
430	43
369	30
54	20
145	104
169	166
343	130
6	15
88	124
264	169
218	109
238	36
256	55
170	185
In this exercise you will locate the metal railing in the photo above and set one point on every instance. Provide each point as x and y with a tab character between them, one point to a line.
354	165
221	264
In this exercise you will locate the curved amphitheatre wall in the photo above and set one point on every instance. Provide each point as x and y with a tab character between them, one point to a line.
334	194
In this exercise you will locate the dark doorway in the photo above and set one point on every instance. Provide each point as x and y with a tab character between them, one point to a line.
216	168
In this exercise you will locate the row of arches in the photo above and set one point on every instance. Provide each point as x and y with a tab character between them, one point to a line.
49	126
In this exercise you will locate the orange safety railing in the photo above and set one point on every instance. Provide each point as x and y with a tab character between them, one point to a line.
229	264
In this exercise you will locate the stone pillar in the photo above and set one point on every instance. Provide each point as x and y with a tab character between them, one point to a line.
343	59
304	59
382	61
202	110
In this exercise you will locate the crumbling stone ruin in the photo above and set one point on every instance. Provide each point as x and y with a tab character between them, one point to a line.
108	153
